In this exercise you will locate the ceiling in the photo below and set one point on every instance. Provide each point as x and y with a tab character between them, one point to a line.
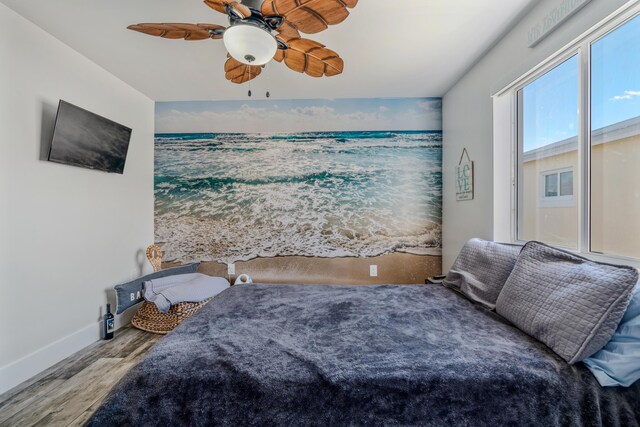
400	48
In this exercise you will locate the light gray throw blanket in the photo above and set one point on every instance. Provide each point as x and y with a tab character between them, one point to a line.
193	287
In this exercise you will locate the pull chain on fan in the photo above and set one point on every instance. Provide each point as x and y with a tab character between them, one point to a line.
268	83
249	59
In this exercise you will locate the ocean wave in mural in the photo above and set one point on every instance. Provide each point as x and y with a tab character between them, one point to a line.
234	196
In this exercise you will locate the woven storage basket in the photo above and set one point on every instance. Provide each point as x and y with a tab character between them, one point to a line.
150	319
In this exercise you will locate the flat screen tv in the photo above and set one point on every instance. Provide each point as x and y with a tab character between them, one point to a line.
82	138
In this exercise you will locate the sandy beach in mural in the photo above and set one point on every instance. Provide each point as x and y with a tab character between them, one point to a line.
398	267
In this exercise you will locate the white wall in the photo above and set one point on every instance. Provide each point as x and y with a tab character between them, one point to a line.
468	120
67	234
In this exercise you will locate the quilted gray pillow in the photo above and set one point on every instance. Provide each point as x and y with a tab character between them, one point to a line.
481	270
571	304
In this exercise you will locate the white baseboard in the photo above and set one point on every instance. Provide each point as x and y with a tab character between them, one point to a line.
33	363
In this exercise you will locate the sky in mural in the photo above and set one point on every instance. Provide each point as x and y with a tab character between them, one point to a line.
285	116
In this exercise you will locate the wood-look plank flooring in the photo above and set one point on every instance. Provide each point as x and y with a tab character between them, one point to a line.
69	392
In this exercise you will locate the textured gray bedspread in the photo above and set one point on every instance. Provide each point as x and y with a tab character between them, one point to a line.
357	355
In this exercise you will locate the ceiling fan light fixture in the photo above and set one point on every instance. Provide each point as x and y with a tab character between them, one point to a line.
250	44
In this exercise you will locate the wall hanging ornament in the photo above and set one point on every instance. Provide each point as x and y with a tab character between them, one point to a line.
464	177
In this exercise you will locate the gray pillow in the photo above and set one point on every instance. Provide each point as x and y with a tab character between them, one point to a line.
571	304
130	293
481	270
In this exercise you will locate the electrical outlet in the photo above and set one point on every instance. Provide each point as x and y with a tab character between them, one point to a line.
373	270
231	269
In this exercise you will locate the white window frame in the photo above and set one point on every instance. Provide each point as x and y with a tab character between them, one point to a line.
581	46
558	201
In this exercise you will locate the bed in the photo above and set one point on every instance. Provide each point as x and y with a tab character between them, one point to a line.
264	354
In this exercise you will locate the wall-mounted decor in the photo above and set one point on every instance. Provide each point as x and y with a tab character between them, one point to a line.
563	10
464	177
303	180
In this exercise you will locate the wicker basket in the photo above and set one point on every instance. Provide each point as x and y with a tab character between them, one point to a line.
150	319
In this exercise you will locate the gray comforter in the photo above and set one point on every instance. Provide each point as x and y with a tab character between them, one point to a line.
347	355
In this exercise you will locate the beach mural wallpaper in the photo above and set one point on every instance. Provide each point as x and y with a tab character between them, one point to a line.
303	191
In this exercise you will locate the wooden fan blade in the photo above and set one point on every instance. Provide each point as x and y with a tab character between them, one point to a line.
219	30
191	31
279	56
241	9
288	30
309	57
309	16
239	73
221	6
177	30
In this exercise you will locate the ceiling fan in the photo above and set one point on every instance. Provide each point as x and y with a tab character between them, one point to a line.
261	30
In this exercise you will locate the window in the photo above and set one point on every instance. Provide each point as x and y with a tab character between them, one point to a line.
566	183
576	167
548	154
557	188
551	185
615	142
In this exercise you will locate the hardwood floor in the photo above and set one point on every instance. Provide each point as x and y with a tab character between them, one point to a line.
69	392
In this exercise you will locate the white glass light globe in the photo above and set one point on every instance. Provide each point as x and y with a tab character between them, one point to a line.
250	44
